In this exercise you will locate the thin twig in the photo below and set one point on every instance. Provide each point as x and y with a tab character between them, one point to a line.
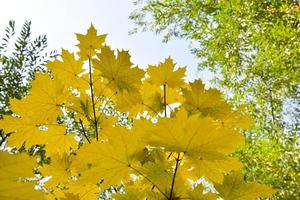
83	130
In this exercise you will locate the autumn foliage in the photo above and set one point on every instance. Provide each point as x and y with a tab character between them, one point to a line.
180	132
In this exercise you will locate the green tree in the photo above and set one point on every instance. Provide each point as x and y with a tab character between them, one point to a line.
253	47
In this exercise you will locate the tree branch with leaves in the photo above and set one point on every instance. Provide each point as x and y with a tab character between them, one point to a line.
191	135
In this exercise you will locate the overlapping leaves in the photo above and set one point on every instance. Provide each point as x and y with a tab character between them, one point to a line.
187	133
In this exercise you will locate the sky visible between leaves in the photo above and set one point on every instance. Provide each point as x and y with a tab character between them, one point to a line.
60	19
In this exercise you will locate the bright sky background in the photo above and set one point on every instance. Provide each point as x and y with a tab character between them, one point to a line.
60	19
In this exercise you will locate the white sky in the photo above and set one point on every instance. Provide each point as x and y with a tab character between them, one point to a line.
60	19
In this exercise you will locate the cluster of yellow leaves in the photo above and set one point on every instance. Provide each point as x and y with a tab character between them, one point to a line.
193	135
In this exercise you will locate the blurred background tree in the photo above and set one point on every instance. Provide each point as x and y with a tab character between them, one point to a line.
253	48
20	57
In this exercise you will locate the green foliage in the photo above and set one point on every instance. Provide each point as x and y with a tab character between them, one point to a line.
18	66
254	48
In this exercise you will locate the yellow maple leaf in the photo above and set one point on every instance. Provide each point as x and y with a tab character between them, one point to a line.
123	80
57	140
119	71
89	43
198	100
12	168
235	188
210	103
165	74
44	103
68	70
109	162
204	144
26	130
23	130
59	169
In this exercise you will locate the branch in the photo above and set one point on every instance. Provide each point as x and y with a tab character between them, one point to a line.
83	130
93	100
165	99
174	175
4	137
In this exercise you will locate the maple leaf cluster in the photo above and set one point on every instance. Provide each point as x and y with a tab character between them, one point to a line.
180	132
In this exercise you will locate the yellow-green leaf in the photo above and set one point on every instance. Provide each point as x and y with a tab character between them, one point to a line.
89	43
205	145
235	188
165	74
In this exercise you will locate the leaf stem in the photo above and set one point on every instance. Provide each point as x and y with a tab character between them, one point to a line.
83	130
93	100
165	99
174	176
